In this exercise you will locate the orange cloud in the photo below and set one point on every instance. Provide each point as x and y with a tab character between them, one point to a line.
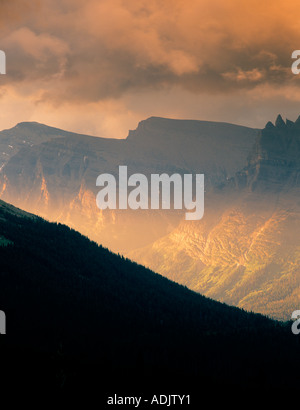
88	52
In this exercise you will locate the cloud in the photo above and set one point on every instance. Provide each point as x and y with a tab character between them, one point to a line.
75	52
111	46
250	76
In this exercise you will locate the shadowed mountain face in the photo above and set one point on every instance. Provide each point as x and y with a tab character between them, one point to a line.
246	249
56	177
26	135
81	319
274	164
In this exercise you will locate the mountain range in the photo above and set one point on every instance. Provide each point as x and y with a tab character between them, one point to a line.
53	173
245	249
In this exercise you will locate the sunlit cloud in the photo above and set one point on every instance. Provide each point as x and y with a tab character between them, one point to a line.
68	57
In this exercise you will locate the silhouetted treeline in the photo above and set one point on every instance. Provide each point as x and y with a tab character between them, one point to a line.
77	312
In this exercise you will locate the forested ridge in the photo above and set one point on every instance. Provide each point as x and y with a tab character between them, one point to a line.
77	312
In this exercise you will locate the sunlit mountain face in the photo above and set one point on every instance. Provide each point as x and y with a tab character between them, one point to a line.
244	251
55	175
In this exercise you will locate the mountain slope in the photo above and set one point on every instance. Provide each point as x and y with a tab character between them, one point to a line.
77	312
245	251
26	135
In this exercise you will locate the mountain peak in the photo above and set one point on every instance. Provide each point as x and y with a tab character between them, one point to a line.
269	125
28	123
279	123
274	162
289	123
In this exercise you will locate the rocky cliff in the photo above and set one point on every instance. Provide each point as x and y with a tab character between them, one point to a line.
246	249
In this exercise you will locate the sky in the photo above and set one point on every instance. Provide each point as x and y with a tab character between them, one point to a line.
100	66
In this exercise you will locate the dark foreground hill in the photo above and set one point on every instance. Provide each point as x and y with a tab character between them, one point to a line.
82	319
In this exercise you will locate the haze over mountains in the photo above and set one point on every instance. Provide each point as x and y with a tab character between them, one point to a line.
245	249
57	177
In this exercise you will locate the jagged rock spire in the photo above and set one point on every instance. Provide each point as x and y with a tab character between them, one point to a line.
269	125
279	123
297	120
289	123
